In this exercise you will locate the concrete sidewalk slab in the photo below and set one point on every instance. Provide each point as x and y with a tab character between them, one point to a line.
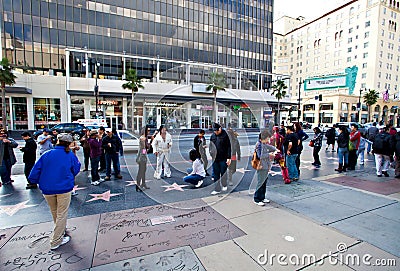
277	231
29	248
6	234
182	258
374	229
391	212
226	256
384	186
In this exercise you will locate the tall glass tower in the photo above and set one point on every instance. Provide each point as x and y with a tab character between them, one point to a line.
233	33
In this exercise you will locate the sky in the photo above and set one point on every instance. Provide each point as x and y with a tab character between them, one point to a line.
310	9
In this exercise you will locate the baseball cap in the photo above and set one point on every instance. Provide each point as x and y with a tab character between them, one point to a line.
108	129
93	132
216	126
46	130
65	137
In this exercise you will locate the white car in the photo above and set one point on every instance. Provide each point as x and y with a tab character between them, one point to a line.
129	141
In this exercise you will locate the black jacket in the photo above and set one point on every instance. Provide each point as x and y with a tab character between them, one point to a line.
343	140
383	144
220	146
396	139
29	156
115	144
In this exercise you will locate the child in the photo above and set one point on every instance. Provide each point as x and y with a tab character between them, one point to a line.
281	161
361	148
197	172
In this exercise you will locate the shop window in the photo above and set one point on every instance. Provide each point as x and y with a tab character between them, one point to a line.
326	107
345	107
7	112
20	113
47	112
77	109
309	107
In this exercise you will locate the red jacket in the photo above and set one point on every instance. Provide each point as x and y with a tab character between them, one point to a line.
355	137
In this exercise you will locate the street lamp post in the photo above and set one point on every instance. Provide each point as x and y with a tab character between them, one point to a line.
298	103
359	106
96	88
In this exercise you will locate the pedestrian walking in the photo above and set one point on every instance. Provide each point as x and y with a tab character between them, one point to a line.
396	143
7	156
361	148
55	172
29	157
200	145
383	148
316	144
330	135
54	135
235	153
354	143
141	160
162	145
45	141
263	150
220	151
86	149
112	145
196	174
343	149
95	146
291	144
371	133
302	136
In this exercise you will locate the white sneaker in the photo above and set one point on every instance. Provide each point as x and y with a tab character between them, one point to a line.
65	240
212	179
224	188
199	184
95	183
215	192
167	176
260	203
266	201
73	193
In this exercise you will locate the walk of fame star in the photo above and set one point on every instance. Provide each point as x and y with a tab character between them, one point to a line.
12	209
130	183
174	186
76	188
104	196
273	173
242	170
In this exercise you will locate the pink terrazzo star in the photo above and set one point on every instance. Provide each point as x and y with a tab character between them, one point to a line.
174	186
12	209
76	188
105	196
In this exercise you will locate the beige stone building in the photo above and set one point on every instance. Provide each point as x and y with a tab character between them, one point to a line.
363	35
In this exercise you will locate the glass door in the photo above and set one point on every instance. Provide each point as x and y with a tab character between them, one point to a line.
112	122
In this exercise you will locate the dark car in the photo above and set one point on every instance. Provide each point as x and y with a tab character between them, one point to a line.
77	130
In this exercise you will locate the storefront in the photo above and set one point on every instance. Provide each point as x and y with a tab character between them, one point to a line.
46	112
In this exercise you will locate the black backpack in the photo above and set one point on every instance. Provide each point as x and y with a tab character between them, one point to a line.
381	142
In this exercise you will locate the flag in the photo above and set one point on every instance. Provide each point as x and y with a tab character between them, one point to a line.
386	96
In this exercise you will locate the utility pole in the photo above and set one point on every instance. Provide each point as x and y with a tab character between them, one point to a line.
359	106
298	104
96	88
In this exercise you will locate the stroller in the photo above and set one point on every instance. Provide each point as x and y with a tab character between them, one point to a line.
281	160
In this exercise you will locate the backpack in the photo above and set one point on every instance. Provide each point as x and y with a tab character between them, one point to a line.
255	160
381	142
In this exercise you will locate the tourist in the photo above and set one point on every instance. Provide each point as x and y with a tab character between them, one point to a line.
112	145
383	148
141	159
162	144
196	174
29	157
55	172
200	144
343	148
302	136
330	135
95	146
291	144
371	133
45	141
354	143
7	156
235	153
86	149
316	144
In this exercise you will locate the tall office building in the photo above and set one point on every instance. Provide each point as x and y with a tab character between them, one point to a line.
341	55
35	35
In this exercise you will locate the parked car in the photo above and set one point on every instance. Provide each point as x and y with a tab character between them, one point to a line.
129	141
76	129
306	125
361	127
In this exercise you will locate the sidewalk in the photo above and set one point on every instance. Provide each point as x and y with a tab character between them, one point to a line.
114	228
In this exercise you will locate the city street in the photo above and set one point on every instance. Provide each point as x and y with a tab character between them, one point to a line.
322	222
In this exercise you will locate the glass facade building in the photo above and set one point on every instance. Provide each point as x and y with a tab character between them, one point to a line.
233	33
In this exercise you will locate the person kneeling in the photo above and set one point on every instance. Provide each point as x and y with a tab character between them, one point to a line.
197	172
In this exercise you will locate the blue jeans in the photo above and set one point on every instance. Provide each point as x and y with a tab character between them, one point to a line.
94	163
343	154
369	147
360	153
193	179
5	171
115	159
291	165
219	170
261	189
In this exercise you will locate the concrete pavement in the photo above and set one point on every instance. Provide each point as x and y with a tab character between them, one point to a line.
326	221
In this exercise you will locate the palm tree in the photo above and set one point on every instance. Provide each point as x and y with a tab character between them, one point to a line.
279	92
371	98
6	78
216	82
134	83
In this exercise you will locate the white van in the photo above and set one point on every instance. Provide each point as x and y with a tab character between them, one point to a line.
92	122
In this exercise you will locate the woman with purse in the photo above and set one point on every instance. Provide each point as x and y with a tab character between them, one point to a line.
141	159
343	149
316	143
354	143
263	150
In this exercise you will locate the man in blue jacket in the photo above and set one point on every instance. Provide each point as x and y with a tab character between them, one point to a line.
55	173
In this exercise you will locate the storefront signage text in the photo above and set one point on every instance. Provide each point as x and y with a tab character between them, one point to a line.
108	102
161	104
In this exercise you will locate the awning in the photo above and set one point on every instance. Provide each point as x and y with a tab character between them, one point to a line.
19	90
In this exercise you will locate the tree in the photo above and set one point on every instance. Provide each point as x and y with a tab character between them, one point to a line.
7	77
216	82
370	98
133	83
279	92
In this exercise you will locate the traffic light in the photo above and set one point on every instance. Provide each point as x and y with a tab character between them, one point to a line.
96	90
320	97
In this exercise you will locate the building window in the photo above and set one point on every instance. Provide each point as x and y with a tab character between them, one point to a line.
365	55
20	113
77	109
364	65
366	44
364	75
366	34
345	107
349	49
7	111
367	24
46	111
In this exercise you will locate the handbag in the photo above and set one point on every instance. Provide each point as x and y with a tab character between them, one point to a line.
352	146
311	144
255	161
